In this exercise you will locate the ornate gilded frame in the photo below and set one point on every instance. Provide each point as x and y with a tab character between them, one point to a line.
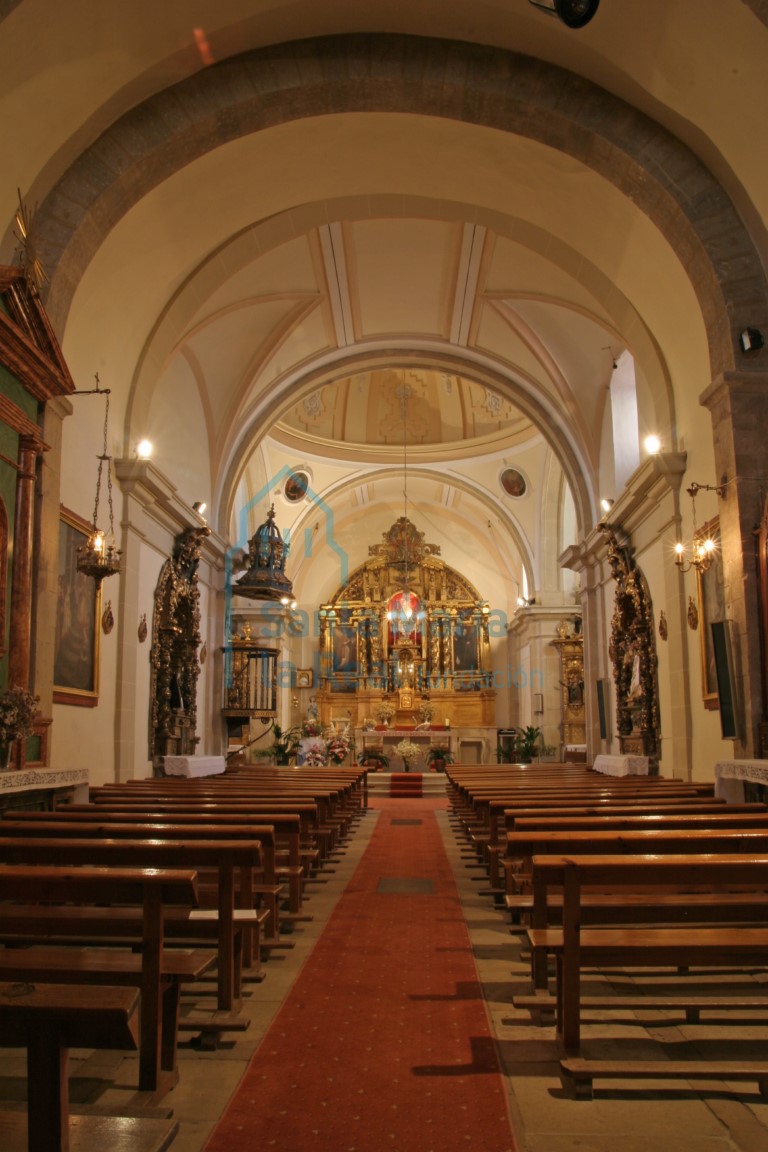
78	612
710	593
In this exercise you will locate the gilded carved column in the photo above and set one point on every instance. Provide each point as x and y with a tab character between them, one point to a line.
20	631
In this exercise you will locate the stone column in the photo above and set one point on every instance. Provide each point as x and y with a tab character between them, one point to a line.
738	405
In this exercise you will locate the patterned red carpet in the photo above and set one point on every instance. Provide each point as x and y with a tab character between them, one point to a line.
384	1042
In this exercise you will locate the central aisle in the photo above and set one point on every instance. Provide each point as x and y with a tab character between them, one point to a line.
384	1041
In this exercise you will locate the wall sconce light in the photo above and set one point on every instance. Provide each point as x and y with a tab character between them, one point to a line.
751	340
144	449
200	506
287	602
606	504
652	445
573	13
525	602
700	553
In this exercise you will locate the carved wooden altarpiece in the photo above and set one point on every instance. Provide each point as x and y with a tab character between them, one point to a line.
633	654
175	643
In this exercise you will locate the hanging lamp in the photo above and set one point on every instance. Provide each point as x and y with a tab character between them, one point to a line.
99	557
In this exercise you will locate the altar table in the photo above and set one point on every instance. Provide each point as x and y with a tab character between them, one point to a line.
731	774
622	765
193	765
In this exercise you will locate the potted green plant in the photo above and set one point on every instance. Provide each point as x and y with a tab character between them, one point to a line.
375	758
437	756
525	744
285	743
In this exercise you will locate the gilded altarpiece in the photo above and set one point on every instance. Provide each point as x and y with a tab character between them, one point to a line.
570	650
408	628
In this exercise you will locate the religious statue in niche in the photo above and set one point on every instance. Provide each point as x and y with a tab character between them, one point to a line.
175	642
633	654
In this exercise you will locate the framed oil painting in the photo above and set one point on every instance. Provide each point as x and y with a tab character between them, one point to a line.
78	608
711	596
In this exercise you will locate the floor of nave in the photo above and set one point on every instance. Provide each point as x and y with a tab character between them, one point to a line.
660	1117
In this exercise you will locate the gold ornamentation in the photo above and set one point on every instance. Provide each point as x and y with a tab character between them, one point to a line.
693	614
107	619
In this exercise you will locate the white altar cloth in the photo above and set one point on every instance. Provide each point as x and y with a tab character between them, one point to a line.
621	765
194	765
731	774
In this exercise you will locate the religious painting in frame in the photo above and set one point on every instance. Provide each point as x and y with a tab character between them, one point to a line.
344	649
711	596
78	609
466	649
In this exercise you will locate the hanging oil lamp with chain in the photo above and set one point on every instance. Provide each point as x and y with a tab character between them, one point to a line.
99	557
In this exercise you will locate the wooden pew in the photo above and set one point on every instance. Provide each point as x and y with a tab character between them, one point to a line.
155	971
48	1020
225	855
680	946
522	846
288	859
506	816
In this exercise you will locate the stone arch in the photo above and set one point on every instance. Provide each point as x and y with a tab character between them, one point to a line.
552	423
472	83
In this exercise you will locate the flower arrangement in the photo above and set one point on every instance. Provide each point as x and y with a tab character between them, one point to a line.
315	756
311	727
410	753
337	746
385	711
17	712
368	723
426	712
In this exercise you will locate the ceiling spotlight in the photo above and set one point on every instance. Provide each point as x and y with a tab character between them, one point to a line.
751	340
525	601
606	504
144	449
573	13
652	445
200	507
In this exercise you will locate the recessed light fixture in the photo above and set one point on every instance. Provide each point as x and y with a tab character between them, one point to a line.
573	13
751	340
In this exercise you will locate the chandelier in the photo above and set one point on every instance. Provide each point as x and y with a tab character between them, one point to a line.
99	557
702	549
405	393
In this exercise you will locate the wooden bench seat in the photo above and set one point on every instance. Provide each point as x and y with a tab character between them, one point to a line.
155	972
576	947
577	1075
543	1006
232	862
48	1020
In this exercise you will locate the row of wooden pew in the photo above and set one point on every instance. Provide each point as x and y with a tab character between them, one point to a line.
149	887
637	872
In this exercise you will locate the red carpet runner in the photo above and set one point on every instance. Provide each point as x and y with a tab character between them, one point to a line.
383	1045
405	784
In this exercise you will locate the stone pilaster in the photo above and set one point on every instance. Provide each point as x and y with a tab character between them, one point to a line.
738	405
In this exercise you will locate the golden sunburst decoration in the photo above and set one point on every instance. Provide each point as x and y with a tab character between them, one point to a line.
30	262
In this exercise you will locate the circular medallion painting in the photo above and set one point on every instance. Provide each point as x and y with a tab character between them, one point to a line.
296	486
513	482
